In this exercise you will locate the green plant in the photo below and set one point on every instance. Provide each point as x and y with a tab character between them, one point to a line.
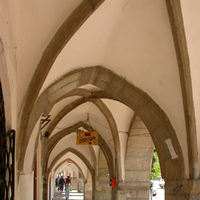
155	169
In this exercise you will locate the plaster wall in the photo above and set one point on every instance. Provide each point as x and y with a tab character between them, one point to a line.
30	153
23	192
96	150
33	22
59	106
121	113
123	142
123	116
52	187
7	31
80	114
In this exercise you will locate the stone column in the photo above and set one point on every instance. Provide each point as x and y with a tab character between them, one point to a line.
138	162
45	187
44	170
88	187
182	189
102	187
74	182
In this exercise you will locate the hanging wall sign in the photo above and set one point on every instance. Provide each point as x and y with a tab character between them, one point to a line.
87	138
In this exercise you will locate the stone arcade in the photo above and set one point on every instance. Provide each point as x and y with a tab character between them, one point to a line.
125	69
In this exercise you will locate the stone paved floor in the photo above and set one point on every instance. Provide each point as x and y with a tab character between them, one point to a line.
73	195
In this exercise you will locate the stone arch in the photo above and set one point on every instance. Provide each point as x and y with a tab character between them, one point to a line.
103	145
58	41
108	115
82	157
49	170
63	35
120	90
74	151
82	179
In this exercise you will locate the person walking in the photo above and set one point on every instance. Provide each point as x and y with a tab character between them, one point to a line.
61	183
67	187
57	182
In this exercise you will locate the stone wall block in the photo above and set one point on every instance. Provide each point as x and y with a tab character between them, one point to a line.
139	152
66	81
131	176
137	163
103	79
129	93
126	194
116	85
145	142
143	194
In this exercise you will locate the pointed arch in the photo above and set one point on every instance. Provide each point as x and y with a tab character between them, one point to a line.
64	161
120	90
103	145
82	157
57	43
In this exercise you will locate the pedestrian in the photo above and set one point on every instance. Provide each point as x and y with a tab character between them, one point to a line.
57	181
67	187
61	183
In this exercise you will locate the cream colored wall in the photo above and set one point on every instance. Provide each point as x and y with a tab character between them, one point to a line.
52	187
22	191
30	153
32	26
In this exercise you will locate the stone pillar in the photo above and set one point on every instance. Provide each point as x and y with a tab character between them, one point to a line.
80	186
44	170
102	187
88	187
74	182
138	162
80	183
45	187
133	191
182	189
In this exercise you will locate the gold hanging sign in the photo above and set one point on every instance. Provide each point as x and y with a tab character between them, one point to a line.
87	138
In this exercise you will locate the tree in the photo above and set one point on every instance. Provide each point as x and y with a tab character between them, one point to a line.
155	169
